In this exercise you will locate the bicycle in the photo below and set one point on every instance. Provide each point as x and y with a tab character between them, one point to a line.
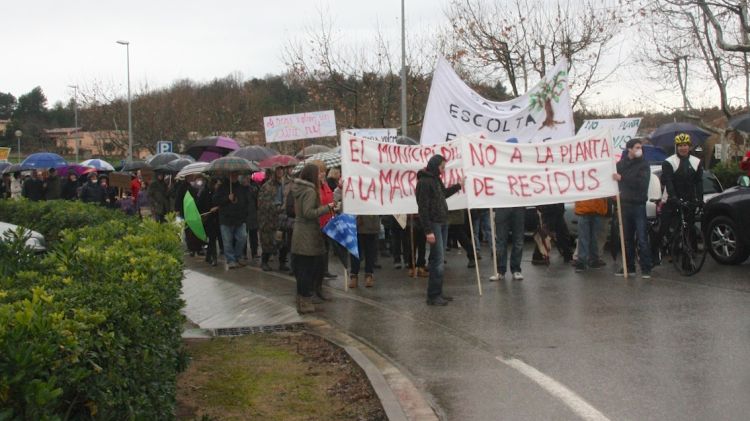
685	243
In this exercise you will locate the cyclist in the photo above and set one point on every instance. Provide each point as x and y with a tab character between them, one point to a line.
682	176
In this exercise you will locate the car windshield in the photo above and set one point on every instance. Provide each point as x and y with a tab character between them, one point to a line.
711	183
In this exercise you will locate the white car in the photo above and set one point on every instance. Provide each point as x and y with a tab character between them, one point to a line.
711	187
35	241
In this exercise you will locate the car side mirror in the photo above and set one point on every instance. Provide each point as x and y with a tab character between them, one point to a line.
743	181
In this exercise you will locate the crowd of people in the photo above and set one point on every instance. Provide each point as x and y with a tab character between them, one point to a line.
277	216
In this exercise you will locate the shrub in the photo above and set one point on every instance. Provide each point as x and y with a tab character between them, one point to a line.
49	218
727	172
92	329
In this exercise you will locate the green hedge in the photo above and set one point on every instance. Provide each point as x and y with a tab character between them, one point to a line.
92	329
728	173
49	218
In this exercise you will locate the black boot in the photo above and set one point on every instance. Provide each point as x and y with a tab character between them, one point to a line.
319	290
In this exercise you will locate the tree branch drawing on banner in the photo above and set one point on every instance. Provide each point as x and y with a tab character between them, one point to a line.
543	98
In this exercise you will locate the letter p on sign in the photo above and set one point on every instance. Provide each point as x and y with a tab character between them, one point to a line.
163	146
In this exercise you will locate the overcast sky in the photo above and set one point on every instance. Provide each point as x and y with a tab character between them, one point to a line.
53	43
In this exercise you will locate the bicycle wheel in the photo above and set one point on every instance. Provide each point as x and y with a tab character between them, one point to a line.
689	251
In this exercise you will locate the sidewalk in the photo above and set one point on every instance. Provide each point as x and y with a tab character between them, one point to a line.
220	304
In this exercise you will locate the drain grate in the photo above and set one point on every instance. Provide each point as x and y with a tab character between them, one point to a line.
252	330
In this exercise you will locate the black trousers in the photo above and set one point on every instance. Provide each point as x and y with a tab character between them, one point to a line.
368	249
400	244
307	269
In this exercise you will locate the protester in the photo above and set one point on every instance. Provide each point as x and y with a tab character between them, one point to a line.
433	213
158	197
682	177
33	188
232	200
326	197
5	186
480	218
70	187
109	192
135	189
253	190
417	249
307	239
196	184
553	216
633	175
400	244
589	214
457	229
52	188
368	227
745	163
209	215
509	221
334	177
92	192
271	215
16	186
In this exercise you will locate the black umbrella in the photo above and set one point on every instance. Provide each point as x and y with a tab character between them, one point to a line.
254	153
178	164
664	135
740	122
133	166
13	168
161	159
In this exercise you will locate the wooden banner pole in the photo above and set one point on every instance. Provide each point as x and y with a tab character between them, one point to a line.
473	245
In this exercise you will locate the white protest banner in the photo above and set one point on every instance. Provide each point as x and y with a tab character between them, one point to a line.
381	135
501	174
454	109
623	129
281	128
381	178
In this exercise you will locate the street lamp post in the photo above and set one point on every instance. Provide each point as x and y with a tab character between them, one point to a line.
403	72
18	136
130	110
75	116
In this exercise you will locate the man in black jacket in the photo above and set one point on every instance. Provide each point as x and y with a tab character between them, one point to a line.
33	188
433	214
232	201
633	174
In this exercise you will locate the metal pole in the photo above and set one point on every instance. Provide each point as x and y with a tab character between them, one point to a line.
19	148
403	71
130	110
75	116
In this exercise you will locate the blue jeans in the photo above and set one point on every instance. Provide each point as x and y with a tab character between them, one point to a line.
482	225
509	221
588	249
234	239
634	228
435	262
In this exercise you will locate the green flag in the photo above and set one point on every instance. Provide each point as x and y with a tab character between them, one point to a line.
193	216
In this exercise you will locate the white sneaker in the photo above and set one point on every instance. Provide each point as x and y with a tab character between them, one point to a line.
517	276
397	266
497	277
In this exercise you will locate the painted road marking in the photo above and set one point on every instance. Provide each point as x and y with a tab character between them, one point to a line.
576	403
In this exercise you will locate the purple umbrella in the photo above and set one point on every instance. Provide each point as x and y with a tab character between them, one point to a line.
210	148
78	169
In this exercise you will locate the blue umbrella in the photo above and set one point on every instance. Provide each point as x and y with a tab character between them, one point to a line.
43	161
651	154
664	135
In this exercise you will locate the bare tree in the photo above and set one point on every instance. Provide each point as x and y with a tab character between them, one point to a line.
684	40
522	38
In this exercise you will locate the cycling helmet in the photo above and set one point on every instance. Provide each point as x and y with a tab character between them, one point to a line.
682	139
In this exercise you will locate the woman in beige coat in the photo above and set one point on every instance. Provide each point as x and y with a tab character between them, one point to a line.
308	248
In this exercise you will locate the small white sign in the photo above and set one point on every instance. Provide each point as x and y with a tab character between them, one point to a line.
280	128
623	129
379	135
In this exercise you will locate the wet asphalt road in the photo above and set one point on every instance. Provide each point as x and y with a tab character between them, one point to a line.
558	345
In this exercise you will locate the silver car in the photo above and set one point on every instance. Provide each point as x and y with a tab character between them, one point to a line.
34	240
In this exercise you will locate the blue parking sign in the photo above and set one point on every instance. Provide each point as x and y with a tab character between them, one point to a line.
163	146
